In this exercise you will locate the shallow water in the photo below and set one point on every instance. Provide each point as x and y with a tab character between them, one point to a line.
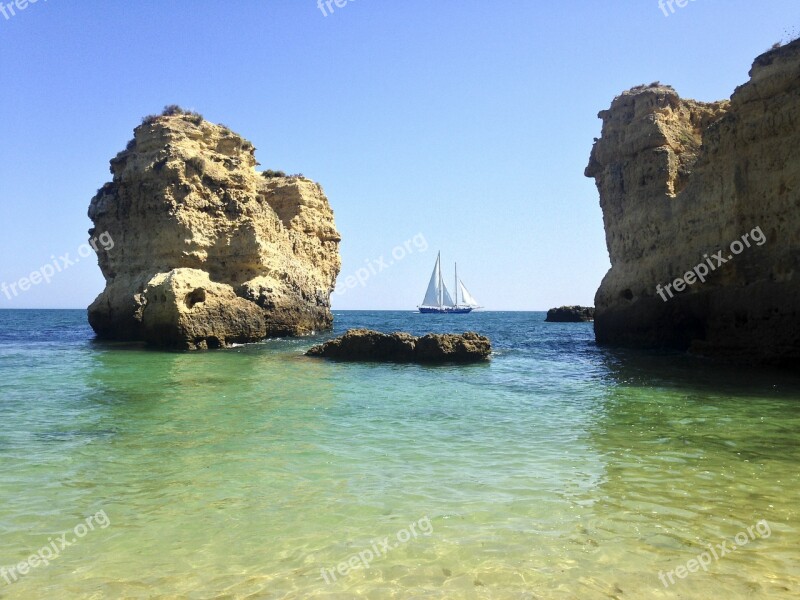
558	470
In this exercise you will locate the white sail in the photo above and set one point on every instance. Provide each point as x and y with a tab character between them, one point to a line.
466	297
432	296
437	296
447	300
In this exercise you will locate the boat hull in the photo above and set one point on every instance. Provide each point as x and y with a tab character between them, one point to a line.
445	310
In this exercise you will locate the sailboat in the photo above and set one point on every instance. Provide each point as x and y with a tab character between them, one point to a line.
438	299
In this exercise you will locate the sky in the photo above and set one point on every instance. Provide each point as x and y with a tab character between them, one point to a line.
455	126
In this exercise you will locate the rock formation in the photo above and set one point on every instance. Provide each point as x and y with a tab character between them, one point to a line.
570	314
207	251
367	345
682	181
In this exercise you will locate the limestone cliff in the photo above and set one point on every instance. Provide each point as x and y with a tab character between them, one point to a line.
679	182
207	251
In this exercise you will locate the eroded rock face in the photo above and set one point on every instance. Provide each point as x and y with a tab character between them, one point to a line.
207	251
449	347
570	314
368	345
681	180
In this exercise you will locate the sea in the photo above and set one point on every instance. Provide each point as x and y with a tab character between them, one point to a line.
557	469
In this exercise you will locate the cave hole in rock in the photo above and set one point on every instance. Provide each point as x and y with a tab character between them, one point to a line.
195	297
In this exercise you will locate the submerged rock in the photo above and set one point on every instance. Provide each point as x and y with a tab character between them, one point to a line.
207	251
367	345
700	205
570	314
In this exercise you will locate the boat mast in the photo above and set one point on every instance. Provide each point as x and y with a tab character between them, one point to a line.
456	288
441	281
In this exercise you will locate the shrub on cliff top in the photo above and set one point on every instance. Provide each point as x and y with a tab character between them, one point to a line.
173	110
170	110
269	174
655	84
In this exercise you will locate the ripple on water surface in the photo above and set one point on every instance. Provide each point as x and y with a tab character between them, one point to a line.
559	470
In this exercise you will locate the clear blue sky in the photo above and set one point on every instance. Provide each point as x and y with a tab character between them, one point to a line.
468	122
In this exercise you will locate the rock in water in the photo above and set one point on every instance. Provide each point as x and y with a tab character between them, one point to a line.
206	250
367	345
681	181
570	314
448	347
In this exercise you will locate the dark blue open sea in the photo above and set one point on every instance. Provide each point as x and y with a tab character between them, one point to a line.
556	470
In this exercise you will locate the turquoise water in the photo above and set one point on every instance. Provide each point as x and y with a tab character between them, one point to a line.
558	470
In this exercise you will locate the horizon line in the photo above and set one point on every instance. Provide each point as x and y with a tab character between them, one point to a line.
332	310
